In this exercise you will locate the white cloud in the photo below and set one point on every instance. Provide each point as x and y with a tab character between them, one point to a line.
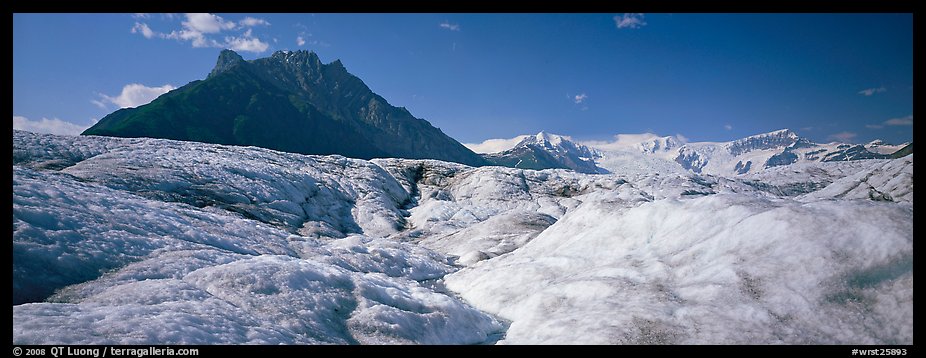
579	98
99	103
727	127
140	15
50	126
143	28
197	26
306	38
902	121
628	141
197	39
133	95
847	137
207	23
447	25
250	21
871	91
630	21
495	145
246	43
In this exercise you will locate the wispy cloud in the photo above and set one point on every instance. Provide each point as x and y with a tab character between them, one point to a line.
449	26
251	22
246	43
207	23
45	125
727	127
143	29
140	15
304	37
847	137
133	95
197	29
871	91
495	145
630	141
197	26
580	98
900	121
630	21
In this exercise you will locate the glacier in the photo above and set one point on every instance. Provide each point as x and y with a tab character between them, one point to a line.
150	241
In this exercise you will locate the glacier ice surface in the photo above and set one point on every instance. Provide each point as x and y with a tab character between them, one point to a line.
134	241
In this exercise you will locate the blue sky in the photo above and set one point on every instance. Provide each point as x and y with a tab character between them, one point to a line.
708	77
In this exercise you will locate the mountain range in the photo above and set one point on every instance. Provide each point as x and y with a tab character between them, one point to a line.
289	101
293	102
751	154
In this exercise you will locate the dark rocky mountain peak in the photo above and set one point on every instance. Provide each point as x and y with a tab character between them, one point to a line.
228	59
289	101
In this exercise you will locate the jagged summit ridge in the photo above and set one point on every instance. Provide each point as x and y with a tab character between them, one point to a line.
547	151
545	139
776	139
658	144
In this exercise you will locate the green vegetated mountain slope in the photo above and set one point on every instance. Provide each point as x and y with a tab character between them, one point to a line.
289	101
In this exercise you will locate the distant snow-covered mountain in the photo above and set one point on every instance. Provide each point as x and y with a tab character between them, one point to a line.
751	154
547	151
638	153
878	146
762	151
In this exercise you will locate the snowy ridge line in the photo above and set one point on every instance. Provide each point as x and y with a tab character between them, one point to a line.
134	241
750	155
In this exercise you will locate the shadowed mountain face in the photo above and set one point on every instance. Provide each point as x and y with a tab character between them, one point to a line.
289	101
903	152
